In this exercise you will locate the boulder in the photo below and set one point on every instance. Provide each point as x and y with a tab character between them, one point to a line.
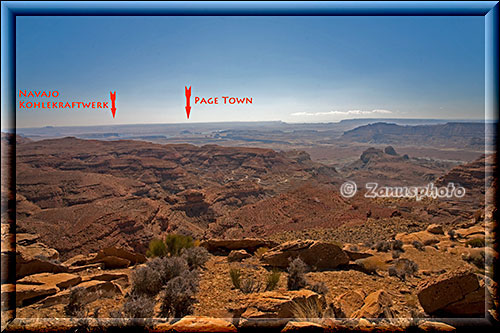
202	324
92	291
26	264
109	276
133	258
111	262
76	269
434	326
60	280
435	229
274	304
238	255
453	294
27	293
376	305
79	260
302	326
353	256
224	246
350	302
316	254
423	237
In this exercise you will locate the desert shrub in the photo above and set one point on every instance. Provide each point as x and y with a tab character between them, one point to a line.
478	259
403	268
418	245
175	243
383	246
138	306
76	306
309	310
396	254
146	281
235	274
195	257
260	251
156	248
319	288
272	280
178	295
397	245
249	285
168	267
297	275
475	242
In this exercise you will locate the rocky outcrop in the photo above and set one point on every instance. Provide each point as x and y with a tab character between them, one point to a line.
376	305
350	302
453	294
423	237
302	326
224	246
35	257
316	254
274	304
435	229
60	280
30	293
202	324
238	255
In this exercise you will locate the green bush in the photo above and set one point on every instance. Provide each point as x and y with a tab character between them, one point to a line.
235	277
272	280
157	248
476	242
175	243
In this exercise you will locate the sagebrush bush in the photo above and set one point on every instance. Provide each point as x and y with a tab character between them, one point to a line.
178	296
76	306
157	248
249	285
319	288
452	234
475	242
235	274
402	268
146	280
195	257
175	243
297	275
418	245
383	246
272	280
396	254
397	245
138	306
168	267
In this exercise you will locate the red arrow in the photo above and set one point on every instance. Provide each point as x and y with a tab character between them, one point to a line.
188	100
113	98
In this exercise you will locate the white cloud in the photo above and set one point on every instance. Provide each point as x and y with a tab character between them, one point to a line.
343	113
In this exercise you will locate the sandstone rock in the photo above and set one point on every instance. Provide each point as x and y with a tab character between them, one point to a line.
353	252
238	255
202	324
222	246
26	293
376	305
76	269
26	264
434	326
316	254
79	260
435	229
60	280
274	304
92	291
371	265
302	326
109	276
350	302
111	262
452	294
423	237
133	258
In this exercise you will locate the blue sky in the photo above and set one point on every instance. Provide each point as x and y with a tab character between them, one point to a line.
296	69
